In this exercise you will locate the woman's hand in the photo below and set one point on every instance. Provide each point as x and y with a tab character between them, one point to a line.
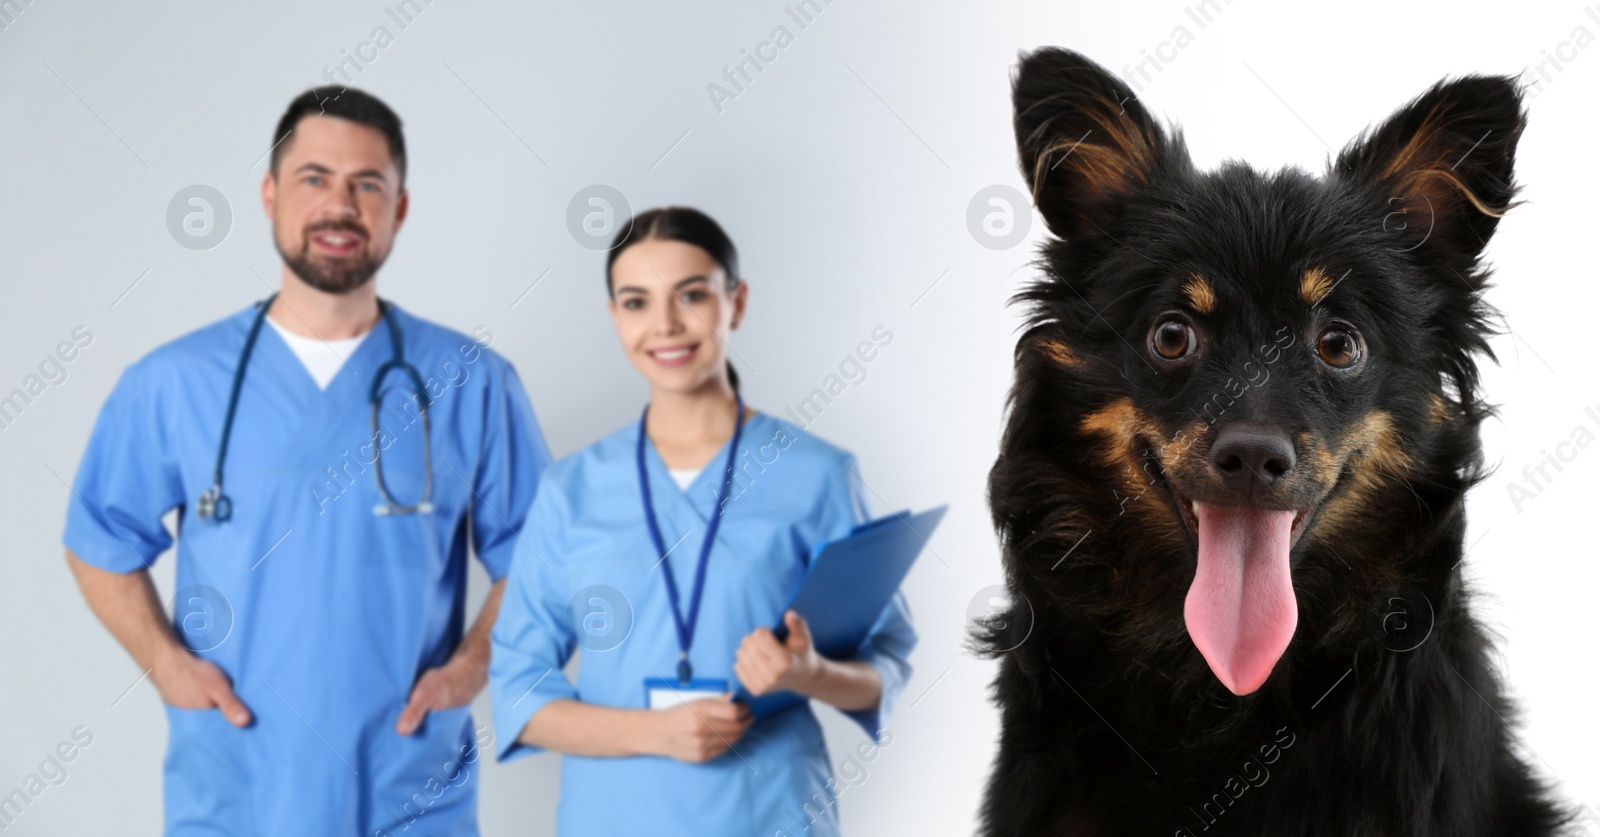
699	730
765	665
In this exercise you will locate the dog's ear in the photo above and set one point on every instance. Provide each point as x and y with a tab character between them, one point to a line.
1444	162
1082	137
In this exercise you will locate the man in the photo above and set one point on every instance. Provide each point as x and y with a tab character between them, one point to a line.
316	673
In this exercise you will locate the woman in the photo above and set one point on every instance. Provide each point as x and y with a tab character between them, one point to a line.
735	500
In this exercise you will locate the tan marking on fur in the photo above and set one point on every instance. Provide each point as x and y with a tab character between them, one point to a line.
1122	424
1375	454
1320	464
1200	295
1315	285
1377	439
1413	185
1137	488
1111	157
1057	351
1120	420
1172	452
1439	410
1425	134
1421	160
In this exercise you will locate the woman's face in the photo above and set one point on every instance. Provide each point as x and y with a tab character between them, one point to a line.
673	312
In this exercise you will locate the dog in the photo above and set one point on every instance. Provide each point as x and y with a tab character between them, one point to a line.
1230	489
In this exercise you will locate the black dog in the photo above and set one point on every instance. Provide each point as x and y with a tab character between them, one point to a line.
1231	486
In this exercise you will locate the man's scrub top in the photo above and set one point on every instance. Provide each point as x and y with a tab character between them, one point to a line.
323	613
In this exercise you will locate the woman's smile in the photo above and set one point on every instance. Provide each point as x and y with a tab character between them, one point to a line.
673	356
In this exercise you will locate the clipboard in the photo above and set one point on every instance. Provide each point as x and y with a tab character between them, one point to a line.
850	582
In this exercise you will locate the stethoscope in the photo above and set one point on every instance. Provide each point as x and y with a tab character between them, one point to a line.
213	504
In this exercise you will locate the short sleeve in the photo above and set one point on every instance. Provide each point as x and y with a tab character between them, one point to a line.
126	481
532	638
513	458
889	643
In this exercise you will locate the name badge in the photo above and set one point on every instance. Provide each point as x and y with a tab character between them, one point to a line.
662	693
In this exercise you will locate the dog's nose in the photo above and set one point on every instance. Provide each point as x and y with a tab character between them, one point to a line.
1249	454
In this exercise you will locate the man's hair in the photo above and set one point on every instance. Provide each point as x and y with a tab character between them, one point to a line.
342	103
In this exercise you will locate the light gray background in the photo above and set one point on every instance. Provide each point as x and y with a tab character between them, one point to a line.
844	174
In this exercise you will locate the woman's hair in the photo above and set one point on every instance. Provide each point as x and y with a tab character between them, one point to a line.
690	226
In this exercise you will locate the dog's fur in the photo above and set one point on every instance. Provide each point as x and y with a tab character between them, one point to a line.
1385	715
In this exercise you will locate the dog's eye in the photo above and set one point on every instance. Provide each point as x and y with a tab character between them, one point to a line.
1338	348
1172	339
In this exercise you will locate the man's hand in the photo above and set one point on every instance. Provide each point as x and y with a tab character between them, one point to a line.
458	681
699	730
763	664
453	684
128	606
188	682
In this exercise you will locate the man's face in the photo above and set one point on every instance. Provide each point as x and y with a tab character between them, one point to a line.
336	203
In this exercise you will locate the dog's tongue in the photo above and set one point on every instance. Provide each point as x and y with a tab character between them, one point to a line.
1241	610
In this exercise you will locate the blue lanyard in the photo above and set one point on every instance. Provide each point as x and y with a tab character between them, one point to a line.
686	627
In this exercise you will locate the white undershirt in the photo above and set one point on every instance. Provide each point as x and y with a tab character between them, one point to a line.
685	477
321	358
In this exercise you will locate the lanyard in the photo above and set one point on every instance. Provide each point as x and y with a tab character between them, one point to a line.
686	627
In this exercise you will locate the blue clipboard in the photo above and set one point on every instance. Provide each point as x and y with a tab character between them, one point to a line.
850	582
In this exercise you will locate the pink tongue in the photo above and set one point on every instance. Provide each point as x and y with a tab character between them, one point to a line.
1241	610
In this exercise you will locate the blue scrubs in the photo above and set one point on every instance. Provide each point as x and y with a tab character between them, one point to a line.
587	533
322	613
